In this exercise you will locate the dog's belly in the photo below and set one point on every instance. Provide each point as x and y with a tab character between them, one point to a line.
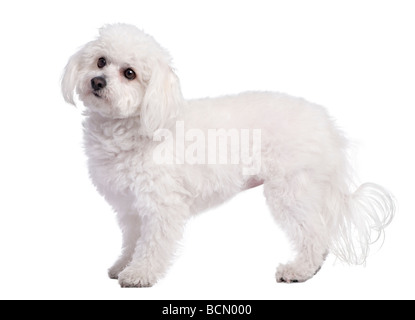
253	183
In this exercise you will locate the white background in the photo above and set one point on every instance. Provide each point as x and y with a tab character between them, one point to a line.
58	236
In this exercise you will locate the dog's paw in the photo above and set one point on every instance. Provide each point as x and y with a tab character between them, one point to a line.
117	268
133	277
114	271
293	272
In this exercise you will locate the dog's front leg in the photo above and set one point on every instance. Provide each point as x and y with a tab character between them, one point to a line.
160	232
130	226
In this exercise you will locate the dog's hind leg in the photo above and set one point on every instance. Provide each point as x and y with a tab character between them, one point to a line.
296	203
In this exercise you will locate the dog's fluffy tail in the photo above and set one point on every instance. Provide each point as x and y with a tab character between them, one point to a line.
359	220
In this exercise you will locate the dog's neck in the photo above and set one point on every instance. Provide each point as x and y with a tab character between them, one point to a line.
113	135
101	124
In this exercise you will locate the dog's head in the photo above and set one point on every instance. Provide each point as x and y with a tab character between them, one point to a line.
124	73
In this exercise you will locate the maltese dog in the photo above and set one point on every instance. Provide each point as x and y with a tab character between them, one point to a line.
158	159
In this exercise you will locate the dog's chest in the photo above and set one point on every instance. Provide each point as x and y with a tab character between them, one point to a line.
115	154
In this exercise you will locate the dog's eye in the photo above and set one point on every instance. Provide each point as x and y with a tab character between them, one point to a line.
101	62
129	74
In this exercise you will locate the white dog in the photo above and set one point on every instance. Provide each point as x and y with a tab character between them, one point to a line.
154	157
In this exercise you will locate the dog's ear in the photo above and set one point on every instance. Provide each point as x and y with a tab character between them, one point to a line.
70	77
161	100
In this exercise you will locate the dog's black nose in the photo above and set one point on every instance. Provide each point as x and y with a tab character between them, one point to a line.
98	83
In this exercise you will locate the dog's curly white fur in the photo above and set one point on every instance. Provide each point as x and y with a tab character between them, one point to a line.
125	80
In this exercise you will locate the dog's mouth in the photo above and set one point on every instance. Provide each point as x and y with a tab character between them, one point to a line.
96	95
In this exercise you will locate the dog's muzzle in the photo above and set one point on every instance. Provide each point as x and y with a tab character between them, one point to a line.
97	84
